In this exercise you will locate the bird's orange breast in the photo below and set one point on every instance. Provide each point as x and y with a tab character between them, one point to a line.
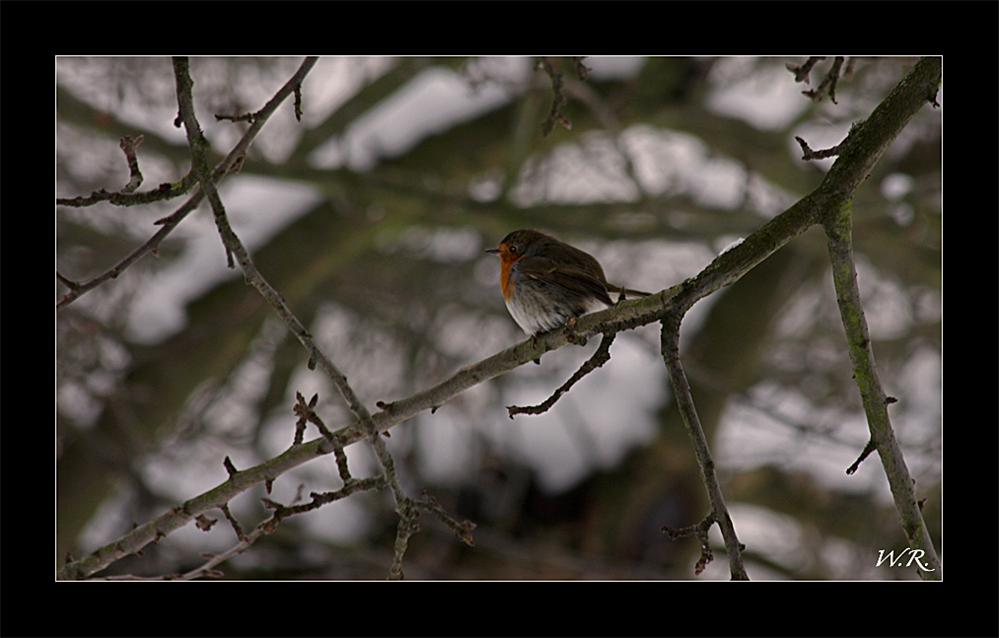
507	260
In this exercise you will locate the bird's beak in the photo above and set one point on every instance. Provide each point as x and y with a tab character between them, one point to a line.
492	251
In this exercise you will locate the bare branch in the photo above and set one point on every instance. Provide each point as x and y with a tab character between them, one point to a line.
231	160
405	506
839	239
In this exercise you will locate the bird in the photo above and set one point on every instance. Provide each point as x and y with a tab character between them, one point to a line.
545	282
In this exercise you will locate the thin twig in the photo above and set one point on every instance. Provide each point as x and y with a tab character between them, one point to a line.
685	403
128	145
700	531
555	114
599	358
801	72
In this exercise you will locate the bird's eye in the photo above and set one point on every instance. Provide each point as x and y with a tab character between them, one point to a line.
513	248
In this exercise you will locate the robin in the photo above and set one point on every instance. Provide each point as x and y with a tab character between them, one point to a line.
546	281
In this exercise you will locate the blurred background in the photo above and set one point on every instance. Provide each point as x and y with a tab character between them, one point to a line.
371	217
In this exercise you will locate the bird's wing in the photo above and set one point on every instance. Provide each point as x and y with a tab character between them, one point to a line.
571	278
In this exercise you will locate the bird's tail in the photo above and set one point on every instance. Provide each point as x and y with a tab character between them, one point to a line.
627	292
